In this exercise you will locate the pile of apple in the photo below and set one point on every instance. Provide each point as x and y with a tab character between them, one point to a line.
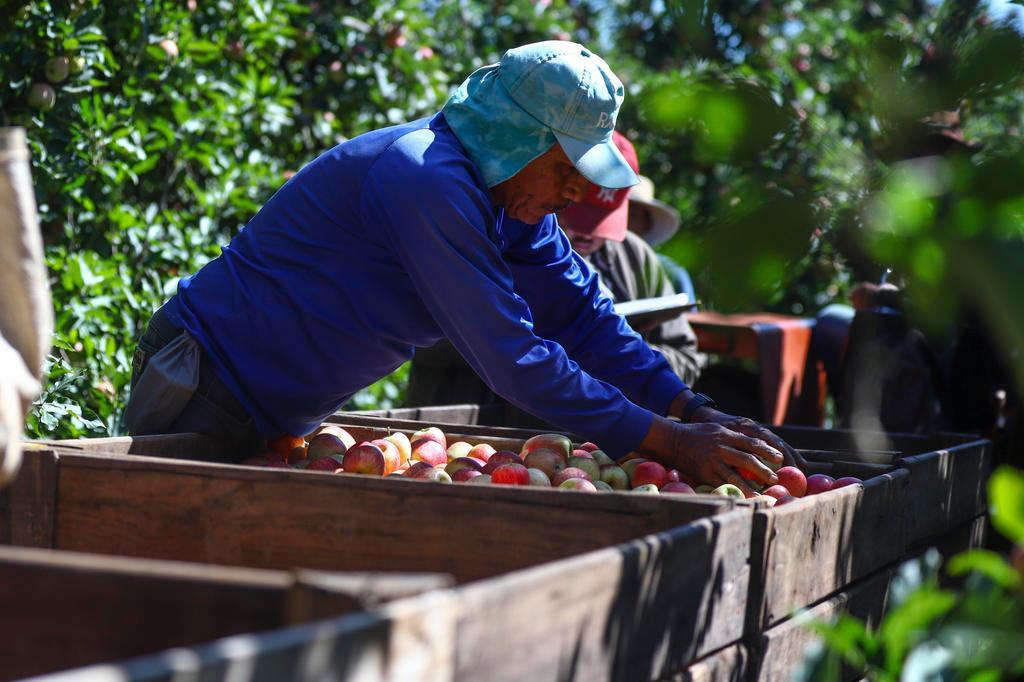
547	460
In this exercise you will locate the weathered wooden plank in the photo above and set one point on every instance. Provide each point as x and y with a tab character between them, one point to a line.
289	519
315	595
727	665
410	639
809	549
948	487
189	445
642	610
28	504
778	652
965	535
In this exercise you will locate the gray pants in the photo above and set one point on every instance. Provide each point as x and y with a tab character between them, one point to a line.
212	410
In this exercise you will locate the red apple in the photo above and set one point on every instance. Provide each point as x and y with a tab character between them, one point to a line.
793	480
587	464
588	446
511	474
325	444
392	457
298	454
819	483
500	457
463	475
677	487
581	453
341	433
845	481
482	451
672	476
785	500
461	463
615	476
365	458
429	451
560	444
431	433
418	469
649	472
777	491
325	463
401	441
478	461
545	459
578	484
567	473
283	445
459	449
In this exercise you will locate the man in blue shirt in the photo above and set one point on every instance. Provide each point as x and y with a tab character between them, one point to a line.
442	227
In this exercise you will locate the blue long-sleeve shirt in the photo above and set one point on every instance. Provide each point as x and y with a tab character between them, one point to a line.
388	242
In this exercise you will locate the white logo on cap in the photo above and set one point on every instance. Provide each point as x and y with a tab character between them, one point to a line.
604	120
606	194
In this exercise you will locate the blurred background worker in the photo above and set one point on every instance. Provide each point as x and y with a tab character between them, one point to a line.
26	315
601	230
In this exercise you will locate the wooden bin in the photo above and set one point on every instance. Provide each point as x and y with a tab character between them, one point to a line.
609	585
64	609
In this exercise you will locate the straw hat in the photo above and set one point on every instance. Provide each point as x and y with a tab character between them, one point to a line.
664	218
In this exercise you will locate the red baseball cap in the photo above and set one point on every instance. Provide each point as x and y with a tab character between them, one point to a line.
603	211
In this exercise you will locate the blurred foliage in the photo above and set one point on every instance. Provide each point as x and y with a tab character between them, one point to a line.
812	134
937	632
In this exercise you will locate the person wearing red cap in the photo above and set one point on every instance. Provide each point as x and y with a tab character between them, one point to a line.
598	228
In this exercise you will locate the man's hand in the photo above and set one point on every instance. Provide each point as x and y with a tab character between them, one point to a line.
712	453
751	428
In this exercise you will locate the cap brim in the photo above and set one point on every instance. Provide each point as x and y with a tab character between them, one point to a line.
596	221
601	163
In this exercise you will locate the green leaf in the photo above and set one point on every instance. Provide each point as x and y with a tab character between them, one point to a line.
1006	502
988	563
906	624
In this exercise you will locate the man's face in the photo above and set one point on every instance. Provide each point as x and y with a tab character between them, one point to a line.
583	244
547	184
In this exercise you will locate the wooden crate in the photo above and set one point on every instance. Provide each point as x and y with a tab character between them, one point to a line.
65	609
812	548
647	582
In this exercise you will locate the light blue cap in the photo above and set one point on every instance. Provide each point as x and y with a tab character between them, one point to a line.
507	114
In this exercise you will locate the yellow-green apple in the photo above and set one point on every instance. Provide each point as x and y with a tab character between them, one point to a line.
539	478
767	499
677	487
435	475
567	473
482	451
392	457
429	451
729	490
41	96
615	476
793	480
431	433
587	464
461	463
547	460
704	489
401	441
57	69
629	465
560	444
819	483
325	444
459	449
511	474
482	479
603	487
776	491
581	484
325	463
648	472
647	488
501	457
845	481
601	458
364	458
